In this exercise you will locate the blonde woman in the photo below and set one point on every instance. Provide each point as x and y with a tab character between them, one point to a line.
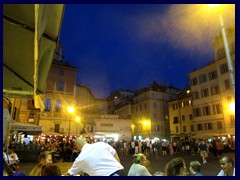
139	166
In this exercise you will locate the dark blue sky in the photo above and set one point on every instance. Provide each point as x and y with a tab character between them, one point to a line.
129	46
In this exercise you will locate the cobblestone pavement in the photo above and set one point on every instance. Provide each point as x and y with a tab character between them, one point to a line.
157	163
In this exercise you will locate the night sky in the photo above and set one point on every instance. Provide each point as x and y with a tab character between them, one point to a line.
129	46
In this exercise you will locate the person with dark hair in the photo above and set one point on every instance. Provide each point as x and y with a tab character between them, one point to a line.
44	158
195	168
227	165
175	167
203	150
97	159
139	165
51	170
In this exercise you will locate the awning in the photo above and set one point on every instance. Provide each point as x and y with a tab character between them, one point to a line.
30	37
17	126
52	133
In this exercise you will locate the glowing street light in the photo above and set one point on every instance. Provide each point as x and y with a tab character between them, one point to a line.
232	108
71	111
226	48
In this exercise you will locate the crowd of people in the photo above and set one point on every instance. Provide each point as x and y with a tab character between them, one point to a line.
101	159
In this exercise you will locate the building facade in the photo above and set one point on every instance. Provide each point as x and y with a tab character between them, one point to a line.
181	117
150	112
212	94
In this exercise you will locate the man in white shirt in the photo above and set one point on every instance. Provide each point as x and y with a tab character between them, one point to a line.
97	159
227	165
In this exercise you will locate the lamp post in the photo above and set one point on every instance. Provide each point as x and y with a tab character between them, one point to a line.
227	52
71	111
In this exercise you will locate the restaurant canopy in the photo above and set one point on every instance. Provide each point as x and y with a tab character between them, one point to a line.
25	127
30	38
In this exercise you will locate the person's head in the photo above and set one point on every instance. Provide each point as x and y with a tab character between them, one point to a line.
80	142
45	157
175	167
140	159
195	167
51	170
10	151
227	164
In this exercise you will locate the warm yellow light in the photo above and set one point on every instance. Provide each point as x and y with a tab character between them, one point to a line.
78	119
145	123
232	107
214	5
71	109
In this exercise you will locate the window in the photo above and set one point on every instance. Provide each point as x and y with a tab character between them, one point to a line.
187	103
208	126
31	104
58	105
60	86
175	120
184	129
190	116
223	68
217	108
197	112
232	119
202	78
47	104
61	72
56	128
204	93
194	81
192	128
182	104
157	128
219	125
175	106
227	84
195	95
183	117
199	127
215	90
31	117
206	110
212	75
177	130
220	53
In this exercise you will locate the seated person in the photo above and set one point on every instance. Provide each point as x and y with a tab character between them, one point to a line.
44	158
139	165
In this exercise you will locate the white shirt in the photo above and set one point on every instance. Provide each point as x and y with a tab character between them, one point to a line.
138	170
96	160
221	173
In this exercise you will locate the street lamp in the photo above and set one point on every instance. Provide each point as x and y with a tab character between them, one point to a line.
227	52
71	111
